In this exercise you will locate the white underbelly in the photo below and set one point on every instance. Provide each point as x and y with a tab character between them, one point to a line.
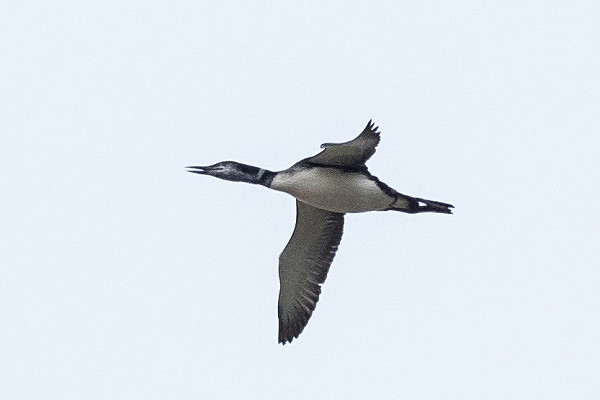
333	190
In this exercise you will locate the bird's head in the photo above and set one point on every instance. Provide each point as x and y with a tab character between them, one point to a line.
228	170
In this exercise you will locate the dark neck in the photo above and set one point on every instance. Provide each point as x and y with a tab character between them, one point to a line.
259	176
266	177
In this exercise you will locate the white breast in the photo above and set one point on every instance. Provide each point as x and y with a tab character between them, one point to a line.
333	190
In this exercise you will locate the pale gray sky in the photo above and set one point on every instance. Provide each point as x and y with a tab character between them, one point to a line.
124	277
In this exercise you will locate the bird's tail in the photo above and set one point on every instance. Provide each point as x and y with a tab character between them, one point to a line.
414	205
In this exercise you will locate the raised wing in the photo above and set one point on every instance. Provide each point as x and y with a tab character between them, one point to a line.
349	154
303	266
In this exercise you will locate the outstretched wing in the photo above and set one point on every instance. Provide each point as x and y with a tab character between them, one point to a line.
303	266
349	154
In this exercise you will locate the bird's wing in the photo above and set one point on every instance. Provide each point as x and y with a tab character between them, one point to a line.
349	154
303	266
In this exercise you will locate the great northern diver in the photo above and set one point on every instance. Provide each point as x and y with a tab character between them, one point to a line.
326	186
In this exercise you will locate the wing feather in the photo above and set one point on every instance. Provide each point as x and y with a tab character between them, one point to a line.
303	266
351	154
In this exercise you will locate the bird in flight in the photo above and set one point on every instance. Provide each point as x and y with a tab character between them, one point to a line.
326	186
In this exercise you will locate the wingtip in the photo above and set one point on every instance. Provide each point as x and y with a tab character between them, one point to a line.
284	339
371	126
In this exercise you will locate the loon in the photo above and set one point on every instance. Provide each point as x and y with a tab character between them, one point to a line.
326	186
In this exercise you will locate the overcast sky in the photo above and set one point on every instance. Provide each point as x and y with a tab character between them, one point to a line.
124	277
